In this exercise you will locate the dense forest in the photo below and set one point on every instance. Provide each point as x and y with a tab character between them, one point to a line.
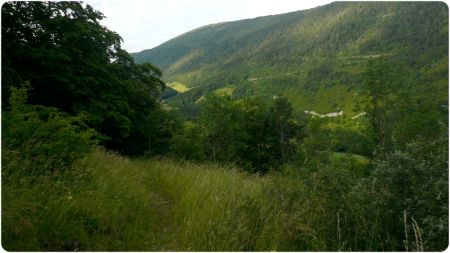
314	57
103	151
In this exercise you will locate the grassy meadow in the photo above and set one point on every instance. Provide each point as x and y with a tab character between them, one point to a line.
108	202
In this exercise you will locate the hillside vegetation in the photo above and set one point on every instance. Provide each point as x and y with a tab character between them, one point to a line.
100	154
107	203
61	193
315	57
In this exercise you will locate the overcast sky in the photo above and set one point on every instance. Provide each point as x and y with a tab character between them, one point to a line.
145	24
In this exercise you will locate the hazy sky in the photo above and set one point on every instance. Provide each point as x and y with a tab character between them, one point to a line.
144	24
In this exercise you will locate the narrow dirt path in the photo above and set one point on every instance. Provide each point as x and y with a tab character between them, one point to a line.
162	223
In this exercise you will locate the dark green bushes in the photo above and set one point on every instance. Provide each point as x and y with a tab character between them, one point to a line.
76	65
44	139
256	134
408	193
39	148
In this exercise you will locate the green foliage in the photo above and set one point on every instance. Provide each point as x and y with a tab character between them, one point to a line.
113	203
39	140
308	55
77	65
91	207
222	120
397	112
189	143
412	183
382	80
271	178
326	139
254	133
168	93
39	147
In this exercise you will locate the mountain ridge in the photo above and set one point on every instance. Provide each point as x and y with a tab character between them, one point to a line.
218	23
324	49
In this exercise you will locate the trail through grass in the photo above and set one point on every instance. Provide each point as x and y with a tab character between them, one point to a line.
111	203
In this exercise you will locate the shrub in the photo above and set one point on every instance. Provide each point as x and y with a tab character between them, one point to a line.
41	139
407	192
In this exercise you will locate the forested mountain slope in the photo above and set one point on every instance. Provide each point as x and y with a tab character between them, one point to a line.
315	56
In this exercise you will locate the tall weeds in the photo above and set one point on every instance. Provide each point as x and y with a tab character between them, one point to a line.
108	202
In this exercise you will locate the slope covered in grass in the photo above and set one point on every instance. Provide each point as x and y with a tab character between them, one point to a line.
108	202
179	87
112	203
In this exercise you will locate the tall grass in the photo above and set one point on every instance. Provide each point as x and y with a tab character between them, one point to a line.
108	202
218	208
94	207
211	207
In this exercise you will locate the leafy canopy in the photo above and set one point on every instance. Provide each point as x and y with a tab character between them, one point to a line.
75	64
